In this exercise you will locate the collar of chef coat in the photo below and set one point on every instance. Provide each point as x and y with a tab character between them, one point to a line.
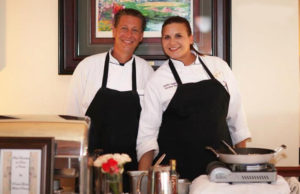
181	64
113	60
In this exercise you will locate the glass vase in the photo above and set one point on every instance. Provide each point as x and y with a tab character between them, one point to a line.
112	183
97	181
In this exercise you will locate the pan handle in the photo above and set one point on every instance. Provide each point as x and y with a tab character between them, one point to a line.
277	150
229	147
213	150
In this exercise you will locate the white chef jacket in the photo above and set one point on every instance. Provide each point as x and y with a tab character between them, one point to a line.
87	80
161	88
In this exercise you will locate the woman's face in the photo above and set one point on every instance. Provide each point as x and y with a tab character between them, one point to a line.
176	42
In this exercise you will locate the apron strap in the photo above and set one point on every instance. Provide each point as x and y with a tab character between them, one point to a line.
206	69
175	74
133	75
105	73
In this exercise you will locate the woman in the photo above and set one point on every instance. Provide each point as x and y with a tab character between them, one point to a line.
190	102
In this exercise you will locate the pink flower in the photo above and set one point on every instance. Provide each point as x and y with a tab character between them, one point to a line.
154	9
166	10
117	8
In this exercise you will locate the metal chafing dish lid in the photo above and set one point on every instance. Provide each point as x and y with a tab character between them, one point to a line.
63	128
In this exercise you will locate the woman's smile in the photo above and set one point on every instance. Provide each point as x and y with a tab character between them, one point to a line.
174	49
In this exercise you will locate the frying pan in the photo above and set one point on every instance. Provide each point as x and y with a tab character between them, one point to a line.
246	155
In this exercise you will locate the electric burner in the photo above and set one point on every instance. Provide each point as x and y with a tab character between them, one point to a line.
220	172
249	167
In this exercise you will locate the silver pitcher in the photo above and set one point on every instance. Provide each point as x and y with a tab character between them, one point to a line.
134	177
158	180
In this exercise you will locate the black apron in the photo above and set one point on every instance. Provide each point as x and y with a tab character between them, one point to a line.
194	118
114	121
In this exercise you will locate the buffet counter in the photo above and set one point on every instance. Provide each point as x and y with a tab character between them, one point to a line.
202	185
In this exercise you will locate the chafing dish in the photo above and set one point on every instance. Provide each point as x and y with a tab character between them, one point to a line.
71	140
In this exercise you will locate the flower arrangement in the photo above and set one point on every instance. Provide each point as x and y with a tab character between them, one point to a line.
112	167
112	163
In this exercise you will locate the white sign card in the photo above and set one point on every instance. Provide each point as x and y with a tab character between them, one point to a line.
20	171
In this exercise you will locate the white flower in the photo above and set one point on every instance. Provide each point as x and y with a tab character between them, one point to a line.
125	158
117	157
102	159
120	158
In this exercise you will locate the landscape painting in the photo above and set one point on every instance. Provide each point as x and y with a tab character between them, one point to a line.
155	11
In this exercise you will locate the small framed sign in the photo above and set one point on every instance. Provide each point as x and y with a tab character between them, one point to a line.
26	165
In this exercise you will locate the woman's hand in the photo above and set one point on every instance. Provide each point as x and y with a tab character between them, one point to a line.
242	144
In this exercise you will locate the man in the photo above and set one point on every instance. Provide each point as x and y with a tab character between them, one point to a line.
108	87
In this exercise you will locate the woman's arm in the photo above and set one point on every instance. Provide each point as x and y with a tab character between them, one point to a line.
150	120
236	117
146	160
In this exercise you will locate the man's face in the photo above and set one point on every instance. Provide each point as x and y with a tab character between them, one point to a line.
128	34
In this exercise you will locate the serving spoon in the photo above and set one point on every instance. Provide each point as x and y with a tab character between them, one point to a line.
160	160
229	147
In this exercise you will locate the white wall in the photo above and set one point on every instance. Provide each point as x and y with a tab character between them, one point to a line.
2	34
29	82
265	61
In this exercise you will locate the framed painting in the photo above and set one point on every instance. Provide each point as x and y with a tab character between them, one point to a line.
85	27
26	164
103	11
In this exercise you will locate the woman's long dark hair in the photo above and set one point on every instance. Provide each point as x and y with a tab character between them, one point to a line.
181	20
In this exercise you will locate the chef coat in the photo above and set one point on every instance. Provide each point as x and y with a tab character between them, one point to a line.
162	86
87	79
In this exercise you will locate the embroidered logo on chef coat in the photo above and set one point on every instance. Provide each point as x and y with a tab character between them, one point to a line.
170	85
219	76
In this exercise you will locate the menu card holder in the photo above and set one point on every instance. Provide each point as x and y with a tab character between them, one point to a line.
26	164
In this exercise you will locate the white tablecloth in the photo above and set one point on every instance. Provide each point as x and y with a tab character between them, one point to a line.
202	185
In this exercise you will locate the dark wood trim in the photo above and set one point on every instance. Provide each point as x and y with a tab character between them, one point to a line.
67	55
222	29
288	171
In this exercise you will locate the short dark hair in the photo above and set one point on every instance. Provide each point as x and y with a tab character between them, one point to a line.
178	19
130	12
